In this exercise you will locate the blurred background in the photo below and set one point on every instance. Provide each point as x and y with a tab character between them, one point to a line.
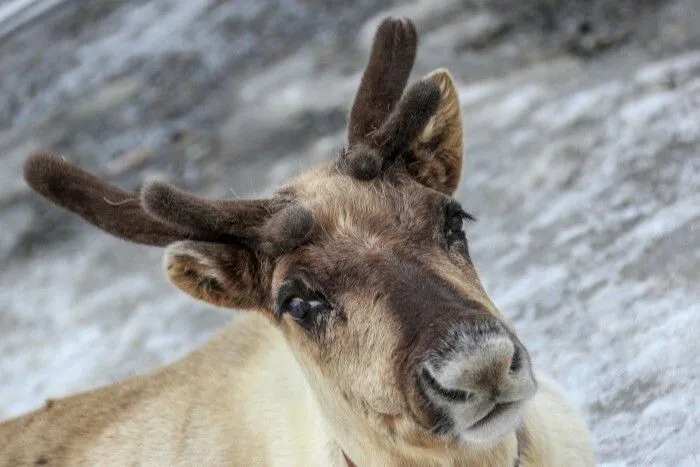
582	163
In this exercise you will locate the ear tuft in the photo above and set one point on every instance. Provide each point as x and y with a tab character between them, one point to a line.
449	111
438	151
194	274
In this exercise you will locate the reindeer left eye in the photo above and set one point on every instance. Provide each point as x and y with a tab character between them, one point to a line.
454	218
456	224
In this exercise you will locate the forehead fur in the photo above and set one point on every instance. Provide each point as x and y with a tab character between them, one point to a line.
343	206
361	226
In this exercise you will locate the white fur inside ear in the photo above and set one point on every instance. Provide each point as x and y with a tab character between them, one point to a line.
427	132
443	78
448	110
176	252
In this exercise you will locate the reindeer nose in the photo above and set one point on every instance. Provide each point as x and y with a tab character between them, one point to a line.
490	367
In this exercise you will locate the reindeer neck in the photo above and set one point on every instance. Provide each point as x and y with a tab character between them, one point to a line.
331	431
362	441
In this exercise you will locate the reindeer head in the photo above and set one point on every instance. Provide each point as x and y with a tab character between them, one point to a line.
362	263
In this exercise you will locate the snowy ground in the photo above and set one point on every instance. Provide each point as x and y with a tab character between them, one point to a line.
584	173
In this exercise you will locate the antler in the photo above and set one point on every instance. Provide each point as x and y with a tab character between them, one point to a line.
383	124
407	121
162	214
390	63
105	206
176	207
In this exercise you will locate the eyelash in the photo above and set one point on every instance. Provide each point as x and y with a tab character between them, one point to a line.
453	212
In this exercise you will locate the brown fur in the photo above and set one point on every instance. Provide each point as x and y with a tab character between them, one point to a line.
103	205
373	340
435	159
386	75
226	217
404	124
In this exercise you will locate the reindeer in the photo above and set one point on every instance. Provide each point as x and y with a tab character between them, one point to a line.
369	339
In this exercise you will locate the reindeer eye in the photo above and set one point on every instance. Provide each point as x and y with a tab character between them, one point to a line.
454	217
298	308
456	226
300	302
305	312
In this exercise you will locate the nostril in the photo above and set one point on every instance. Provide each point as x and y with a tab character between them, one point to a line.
516	362
454	395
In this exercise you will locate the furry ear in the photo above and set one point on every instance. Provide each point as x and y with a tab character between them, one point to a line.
229	276
435	159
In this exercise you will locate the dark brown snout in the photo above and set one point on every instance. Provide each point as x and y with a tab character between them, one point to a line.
470	373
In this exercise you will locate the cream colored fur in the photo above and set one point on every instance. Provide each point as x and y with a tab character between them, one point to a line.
243	400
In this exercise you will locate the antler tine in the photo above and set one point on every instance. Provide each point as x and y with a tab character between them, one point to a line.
103	205
162	214
227	220
407	121
390	63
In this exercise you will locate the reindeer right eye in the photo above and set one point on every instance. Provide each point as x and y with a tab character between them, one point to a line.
300	302
298	308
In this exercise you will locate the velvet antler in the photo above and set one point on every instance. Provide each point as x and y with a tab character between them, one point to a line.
103	205
162	214
383	124
385	77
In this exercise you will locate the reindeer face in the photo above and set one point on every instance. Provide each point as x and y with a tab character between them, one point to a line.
363	264
383	305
